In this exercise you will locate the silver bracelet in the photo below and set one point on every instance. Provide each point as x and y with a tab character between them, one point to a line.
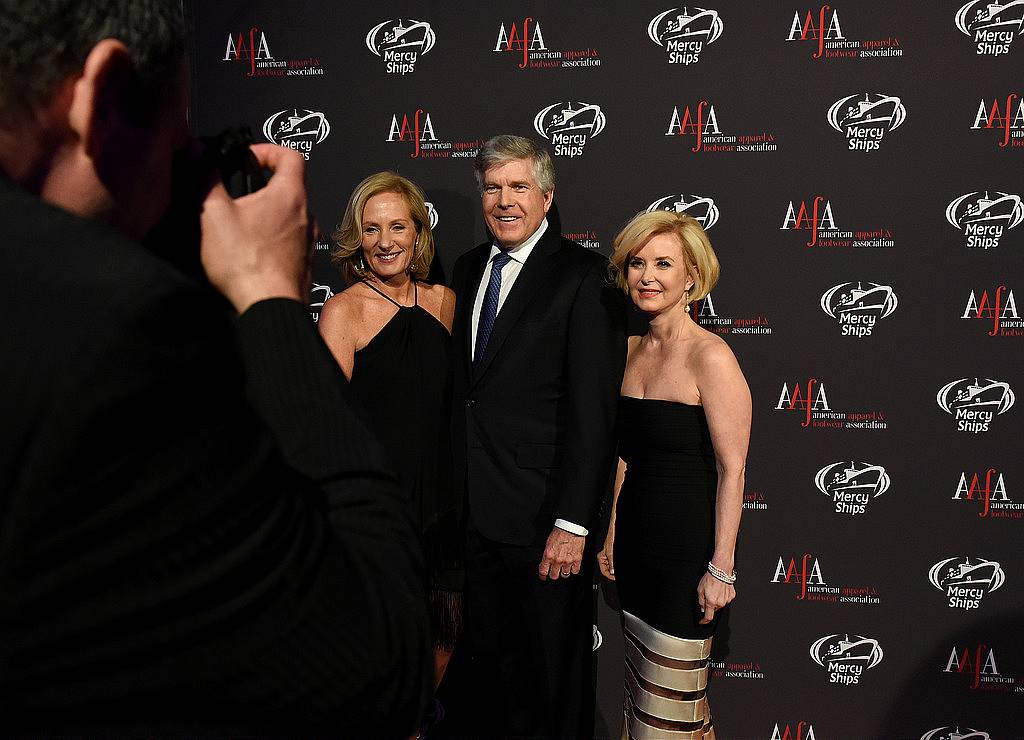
720	574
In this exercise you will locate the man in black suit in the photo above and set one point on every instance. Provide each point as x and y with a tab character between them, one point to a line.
197	534
540	347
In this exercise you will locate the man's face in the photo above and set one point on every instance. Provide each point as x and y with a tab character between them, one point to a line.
514	205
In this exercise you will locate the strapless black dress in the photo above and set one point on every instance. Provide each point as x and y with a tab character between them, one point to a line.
664	537
665	518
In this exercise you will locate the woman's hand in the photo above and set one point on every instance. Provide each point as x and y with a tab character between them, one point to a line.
712	595
605	558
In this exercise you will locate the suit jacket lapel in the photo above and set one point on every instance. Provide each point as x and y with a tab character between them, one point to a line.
528	285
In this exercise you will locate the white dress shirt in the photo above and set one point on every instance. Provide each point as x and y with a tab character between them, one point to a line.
519	256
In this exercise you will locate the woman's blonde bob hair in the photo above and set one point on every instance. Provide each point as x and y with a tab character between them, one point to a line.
348	237
700	257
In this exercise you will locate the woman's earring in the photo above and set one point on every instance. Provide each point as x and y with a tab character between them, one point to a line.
361	262
686	300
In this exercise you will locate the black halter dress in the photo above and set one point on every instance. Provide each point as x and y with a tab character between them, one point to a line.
403	378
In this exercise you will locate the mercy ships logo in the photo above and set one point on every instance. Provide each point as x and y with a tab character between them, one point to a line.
865	118
858	306
684	32
297	128
975	403
701	207
966	580
846	657
400	43
992	27
569	126
984	216
852	485
955	732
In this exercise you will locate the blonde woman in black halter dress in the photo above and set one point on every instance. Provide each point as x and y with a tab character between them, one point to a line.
683	429
390	333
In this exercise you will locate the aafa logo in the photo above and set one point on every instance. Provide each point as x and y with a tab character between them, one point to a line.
809	398
400	43
981	488
999	308
1007	119
700	125
250	47
808	30
297	128
953	732
974	403
991	26
807	573
983	216
802	730
966	580
531	39
418	130
569	126
865	118
685	32
979	664
700	207
858	306
852	485
814	218
704	313
846	657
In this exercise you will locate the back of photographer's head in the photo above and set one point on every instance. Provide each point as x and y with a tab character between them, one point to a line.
92	103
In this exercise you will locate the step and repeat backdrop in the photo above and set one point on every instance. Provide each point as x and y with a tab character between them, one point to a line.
858	168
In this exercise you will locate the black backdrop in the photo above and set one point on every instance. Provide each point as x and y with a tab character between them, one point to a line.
866	516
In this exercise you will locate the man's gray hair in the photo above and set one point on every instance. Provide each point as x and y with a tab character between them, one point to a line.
507	147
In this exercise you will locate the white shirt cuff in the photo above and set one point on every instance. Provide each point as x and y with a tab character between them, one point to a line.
571	528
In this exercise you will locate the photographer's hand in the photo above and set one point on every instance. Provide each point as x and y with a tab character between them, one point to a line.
258	246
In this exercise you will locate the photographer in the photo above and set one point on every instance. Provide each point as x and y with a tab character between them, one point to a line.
197	535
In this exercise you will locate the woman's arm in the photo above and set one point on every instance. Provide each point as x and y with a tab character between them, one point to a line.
605	558
726	401
338	330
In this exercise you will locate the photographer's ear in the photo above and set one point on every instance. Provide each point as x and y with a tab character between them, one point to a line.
101	97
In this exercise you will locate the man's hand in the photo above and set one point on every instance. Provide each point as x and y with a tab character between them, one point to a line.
258	246
562	555
606	558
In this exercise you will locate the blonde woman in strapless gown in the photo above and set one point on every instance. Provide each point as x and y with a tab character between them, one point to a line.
683	430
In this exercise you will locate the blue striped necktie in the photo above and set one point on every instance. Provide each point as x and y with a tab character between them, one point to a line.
489	309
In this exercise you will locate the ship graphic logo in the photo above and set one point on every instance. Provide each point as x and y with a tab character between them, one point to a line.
678	26
867	110
967	572
954	732
394	37
834	651
598	639
975	394
565	119
858	305
700	207
980	17
431	214
297	128
319	295
856	480
983	216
